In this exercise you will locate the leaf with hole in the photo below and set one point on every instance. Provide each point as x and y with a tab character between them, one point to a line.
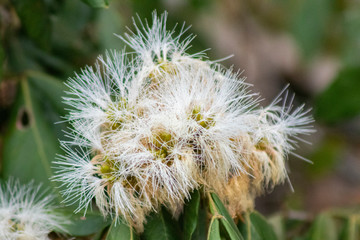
31	142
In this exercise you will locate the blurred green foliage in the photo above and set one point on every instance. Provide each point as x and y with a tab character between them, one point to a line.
97	3
256	227
326	156
341	100
310	25
35	21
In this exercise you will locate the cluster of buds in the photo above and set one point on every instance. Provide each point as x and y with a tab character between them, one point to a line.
151	126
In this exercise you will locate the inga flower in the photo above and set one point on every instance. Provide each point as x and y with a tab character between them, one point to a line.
151	126
26	213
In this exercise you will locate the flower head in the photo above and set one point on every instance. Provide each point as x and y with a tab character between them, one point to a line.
148	130
26	213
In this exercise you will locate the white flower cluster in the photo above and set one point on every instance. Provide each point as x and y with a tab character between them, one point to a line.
26	213
149	127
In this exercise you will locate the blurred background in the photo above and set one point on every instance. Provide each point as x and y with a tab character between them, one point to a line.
312	44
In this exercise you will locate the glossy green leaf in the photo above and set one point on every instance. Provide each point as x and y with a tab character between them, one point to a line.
340	101
160	225
31	142
257	228
191	212
35	19
217	208
119	230
83	225
214	229
97	3
323	227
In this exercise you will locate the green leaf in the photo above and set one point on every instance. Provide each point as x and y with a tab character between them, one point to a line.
350	35
160	225
257	228
119	230
83	225
191	212
263	228
278	225
310	24
340	101
217	208
52	88
109	23
351	229
201	230
45	59
214	229
31	142
142	8
324	227
326	156
35	19
18	58
97	3
72	20
295	228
